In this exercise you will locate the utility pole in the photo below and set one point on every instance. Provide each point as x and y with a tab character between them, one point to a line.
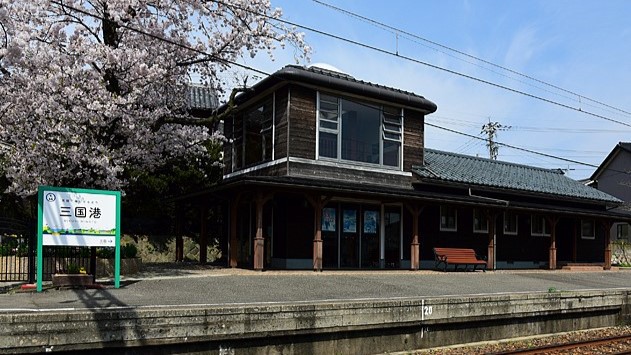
490	129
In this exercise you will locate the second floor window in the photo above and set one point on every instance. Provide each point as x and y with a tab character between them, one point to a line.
360	132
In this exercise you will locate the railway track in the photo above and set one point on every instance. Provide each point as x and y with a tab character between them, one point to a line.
606	345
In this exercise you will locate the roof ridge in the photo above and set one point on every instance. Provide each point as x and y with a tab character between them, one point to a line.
349	77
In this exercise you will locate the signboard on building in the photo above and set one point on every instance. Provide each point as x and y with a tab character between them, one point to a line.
78	217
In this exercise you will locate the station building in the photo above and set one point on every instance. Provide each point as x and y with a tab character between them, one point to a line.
325	171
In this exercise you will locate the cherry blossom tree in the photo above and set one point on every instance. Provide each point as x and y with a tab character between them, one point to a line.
93	89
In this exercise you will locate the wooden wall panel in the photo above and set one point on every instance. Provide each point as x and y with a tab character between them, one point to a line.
413	139
280	120
302	123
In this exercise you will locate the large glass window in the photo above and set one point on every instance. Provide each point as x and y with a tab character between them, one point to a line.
357	131
257	124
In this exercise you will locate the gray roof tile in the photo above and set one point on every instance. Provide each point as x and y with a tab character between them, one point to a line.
202	98
458	168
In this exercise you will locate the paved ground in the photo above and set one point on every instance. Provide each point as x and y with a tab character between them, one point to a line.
180	285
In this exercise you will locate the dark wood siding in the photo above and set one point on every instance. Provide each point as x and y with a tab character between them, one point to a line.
227	147
413	139
280	120
302	123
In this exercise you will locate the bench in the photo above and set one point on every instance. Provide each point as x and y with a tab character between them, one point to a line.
458	256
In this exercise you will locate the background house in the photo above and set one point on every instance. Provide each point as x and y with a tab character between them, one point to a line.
613	176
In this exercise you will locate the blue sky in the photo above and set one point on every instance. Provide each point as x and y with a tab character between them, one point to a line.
581	46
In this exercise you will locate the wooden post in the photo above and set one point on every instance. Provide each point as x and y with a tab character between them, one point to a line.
490	258
234	241
317	240
552	262
203	234
575	242
607	229
179	242
318	203
415	246
259	241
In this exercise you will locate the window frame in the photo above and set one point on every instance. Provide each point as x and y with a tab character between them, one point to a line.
593	229
477	214
545	232
447	228
619	227
391	129
507	232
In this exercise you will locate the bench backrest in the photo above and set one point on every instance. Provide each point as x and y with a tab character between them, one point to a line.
455	252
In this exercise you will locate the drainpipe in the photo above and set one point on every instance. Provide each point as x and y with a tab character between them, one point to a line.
494	227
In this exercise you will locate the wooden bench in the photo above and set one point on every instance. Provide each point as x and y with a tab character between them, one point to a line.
458	256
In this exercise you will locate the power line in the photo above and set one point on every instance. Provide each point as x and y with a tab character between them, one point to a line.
555	130
398	30
417	61
515	147
264	73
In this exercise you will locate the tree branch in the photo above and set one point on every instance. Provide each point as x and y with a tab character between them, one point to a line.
203	122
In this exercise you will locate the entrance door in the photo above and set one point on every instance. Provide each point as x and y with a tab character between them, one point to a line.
330	228
392	224
370	238
349	238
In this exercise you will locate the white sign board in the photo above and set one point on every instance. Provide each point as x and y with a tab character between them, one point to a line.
79	219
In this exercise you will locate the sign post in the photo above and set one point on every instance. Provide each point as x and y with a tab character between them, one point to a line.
78	217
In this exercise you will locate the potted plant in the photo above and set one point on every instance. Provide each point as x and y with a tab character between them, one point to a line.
74	275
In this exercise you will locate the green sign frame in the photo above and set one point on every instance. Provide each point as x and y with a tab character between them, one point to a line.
40	227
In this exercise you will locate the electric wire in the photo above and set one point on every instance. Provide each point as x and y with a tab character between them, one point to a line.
122	25
395	30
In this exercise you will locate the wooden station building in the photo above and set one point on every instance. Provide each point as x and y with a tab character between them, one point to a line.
325	171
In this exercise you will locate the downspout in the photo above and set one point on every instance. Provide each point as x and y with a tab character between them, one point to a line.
506	203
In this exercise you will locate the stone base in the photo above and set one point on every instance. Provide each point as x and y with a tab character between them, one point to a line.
72	280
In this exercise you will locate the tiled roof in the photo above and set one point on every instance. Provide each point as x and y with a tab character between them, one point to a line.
464	169
341	82
202	98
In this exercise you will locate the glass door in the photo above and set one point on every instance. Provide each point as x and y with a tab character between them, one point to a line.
392	224
349	238
370	237
330	228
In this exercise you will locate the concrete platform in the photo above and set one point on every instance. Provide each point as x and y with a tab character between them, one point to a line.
239	311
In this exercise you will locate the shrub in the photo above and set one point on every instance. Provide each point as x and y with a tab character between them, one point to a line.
105	253
129	251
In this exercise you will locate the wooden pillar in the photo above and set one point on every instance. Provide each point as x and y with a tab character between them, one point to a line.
575	242
490	258
179	241
318	203
203	235
415	246
259	241
607	240
552	253
317	240
234	207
